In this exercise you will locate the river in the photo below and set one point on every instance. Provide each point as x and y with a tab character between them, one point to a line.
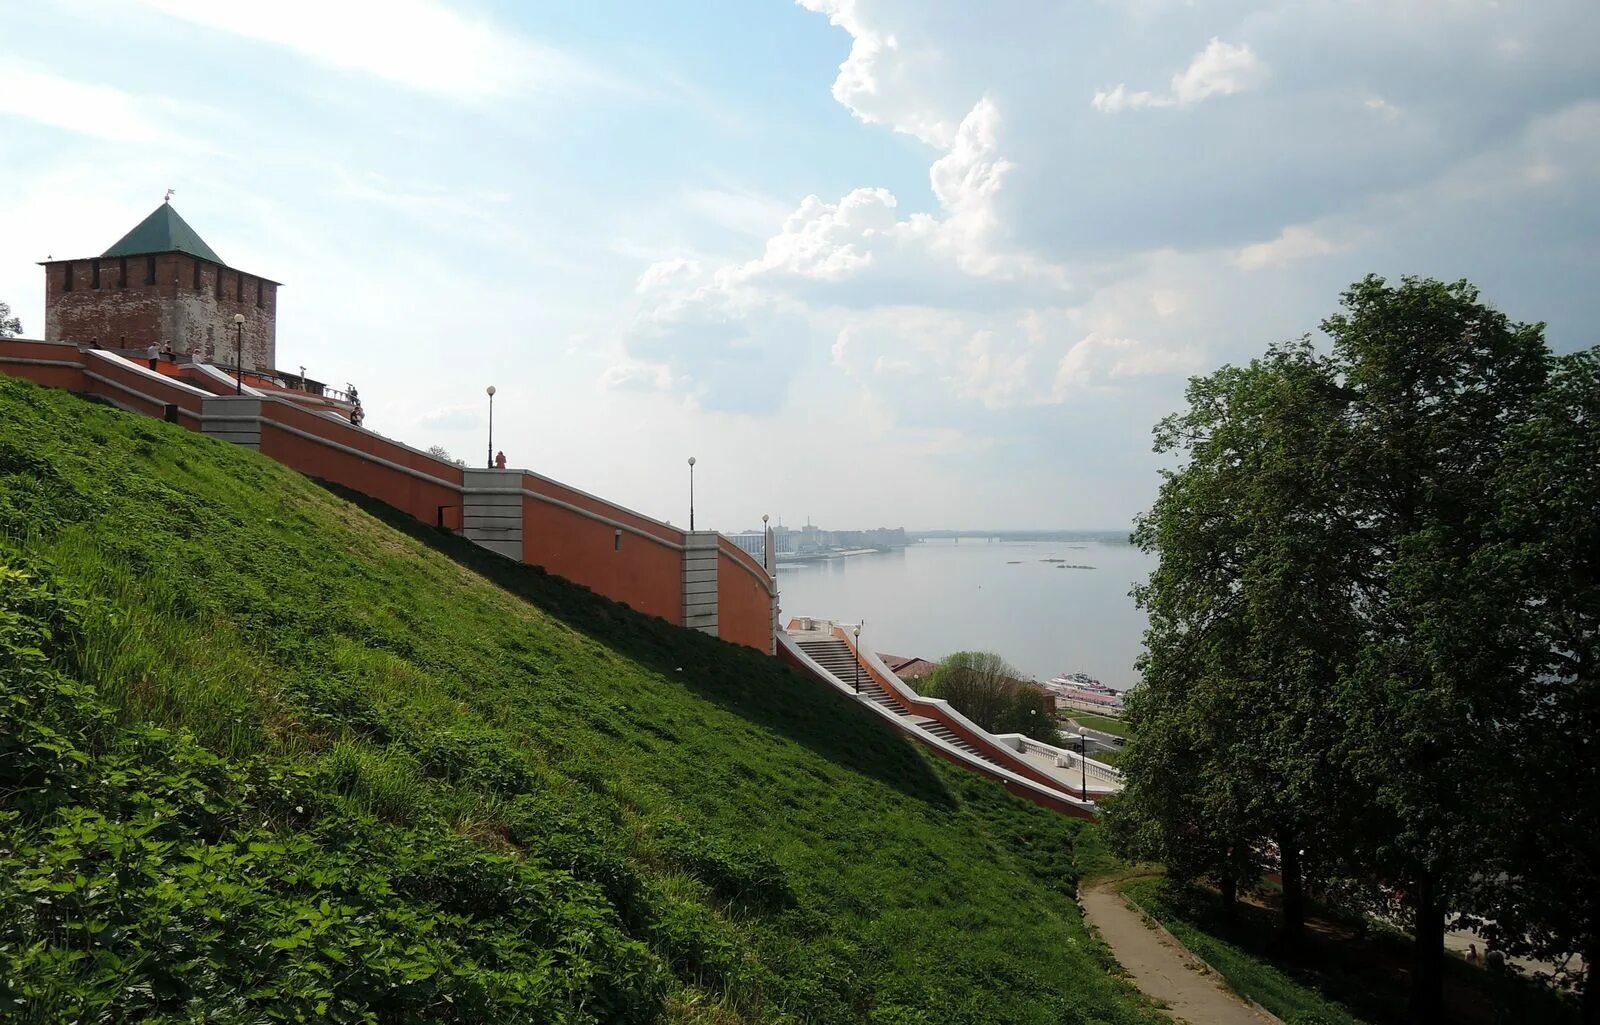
937	597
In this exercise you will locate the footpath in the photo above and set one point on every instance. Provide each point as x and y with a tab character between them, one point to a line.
1160	966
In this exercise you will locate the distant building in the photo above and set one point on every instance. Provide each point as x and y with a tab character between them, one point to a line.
161	284
909	669
752	541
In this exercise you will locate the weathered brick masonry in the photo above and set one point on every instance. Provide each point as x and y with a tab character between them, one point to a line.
161	283
155	300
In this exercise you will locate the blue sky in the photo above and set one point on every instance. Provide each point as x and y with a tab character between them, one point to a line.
878	262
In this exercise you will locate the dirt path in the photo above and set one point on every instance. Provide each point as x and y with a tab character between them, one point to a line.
1162	968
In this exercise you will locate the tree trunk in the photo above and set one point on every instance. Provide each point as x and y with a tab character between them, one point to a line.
1427	963
1589	1010
1294	900
1230	898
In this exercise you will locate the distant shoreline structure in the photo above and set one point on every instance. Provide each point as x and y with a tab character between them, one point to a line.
1084	690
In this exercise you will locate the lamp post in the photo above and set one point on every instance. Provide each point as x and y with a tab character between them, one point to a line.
858	658
766	545
490	461
1083	763
238	353
691	494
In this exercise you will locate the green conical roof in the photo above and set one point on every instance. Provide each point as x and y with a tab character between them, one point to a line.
163	232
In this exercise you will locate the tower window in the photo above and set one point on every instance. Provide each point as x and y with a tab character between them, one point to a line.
197	275
94	279
122	272
66	285
150	270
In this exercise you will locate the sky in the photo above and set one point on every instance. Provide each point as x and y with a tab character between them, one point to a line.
922	263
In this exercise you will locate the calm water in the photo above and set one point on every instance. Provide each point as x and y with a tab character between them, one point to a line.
937	597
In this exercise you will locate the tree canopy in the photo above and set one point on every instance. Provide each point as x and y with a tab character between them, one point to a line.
1373	619
991	692
10	326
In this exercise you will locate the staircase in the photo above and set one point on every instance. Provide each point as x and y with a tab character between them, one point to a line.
950	736
837	658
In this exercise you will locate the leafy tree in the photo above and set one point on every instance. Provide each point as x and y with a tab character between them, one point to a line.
1435	381
10	326
440	452
1543	897
1336	657
989	690
1244	619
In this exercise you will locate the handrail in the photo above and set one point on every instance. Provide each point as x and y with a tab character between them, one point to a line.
899	722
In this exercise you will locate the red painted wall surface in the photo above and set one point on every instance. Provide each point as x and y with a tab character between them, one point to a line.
639	571
921	706
13	349
1045	800
744	604
645	571
412	495
147	387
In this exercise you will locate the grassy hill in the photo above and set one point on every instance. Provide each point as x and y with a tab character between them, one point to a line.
269	755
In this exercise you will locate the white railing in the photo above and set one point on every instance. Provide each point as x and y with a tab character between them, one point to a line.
903	725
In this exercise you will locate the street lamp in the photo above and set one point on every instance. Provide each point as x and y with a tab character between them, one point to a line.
858	658
691	494
238	353
490	461
1083	763
766	545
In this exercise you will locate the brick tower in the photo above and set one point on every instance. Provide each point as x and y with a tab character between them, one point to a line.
161	283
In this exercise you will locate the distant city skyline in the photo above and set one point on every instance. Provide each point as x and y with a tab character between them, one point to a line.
939	262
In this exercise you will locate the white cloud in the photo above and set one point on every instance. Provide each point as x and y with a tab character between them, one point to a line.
873	80
418	44
665	272
745	211
1098	359
1221	69
1379	105
100	111
1295	242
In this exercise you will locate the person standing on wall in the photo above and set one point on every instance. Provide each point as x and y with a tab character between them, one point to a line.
500	461
152	353
357	414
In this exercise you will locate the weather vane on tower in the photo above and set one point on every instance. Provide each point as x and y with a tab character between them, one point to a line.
168	197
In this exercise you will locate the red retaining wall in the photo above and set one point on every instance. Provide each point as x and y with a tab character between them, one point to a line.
40	362
1046	799
918	705
615	551
576	535
744	598
360	460
136	387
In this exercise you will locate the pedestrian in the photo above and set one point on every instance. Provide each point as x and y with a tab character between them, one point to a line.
357	414
1494	960
500	461
1472	954
152	353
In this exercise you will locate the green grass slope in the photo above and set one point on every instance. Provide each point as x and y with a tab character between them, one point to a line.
267	754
